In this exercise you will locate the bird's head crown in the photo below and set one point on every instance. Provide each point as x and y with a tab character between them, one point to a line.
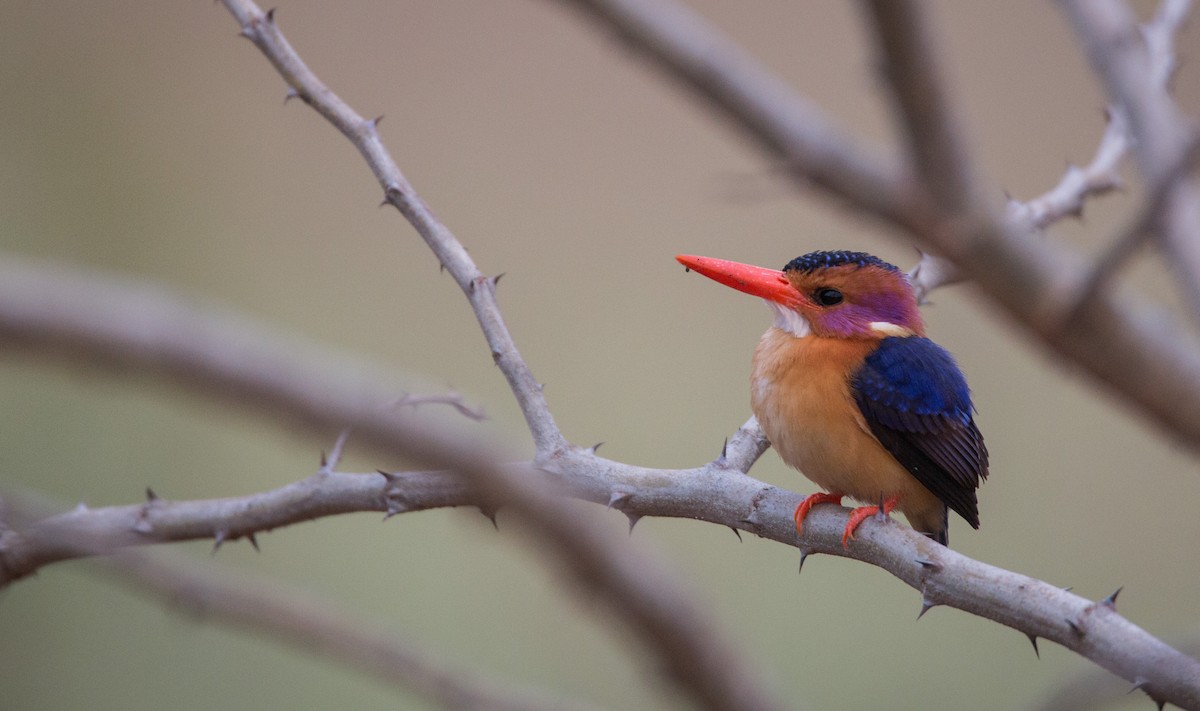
853	295
824	260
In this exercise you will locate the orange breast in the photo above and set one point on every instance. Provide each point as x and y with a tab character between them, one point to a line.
800	392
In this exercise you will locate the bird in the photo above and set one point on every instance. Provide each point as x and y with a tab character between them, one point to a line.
849	390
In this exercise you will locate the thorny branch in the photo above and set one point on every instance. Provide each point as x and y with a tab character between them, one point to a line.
1067	198
1100	175
659	612
997	256
52	310
480	290
323	396
1141	227
1136	66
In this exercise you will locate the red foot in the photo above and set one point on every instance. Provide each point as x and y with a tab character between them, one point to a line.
862	513
810	501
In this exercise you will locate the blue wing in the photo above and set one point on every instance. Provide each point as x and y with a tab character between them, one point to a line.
917	404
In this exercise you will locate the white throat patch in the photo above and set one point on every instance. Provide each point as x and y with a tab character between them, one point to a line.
789	320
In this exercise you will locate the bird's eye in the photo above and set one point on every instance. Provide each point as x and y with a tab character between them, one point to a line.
828	297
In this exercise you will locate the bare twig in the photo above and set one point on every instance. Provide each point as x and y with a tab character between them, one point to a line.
260	28
744	448
1099	176
1126	56
1128	239
1129	346
1067	198
938	151
329	463
662	616
88	328
932	272
84	531
936	146
452	399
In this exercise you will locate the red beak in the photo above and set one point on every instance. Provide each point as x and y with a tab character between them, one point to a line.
768	284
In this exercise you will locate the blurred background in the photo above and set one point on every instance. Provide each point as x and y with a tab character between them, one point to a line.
149	140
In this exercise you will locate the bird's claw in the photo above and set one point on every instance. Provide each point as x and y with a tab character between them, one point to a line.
810	501
862	513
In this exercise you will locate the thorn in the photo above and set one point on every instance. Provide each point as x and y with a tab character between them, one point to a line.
219	539
1143	683
396	507
633	519
375	121
736	533
441	265
1074	626
150	495
329	463
928	564
490	514
1111	601
254	542
271	15
390	476
724	450
926	606
496	279
803	557
594	447
751	519
618	497
1033	640
292	93
1069	588
143	525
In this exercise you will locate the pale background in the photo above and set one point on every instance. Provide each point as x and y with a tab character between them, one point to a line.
148	139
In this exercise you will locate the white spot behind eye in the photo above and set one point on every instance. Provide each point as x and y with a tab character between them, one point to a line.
890	329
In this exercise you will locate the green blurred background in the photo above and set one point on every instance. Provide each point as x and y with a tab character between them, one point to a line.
148	139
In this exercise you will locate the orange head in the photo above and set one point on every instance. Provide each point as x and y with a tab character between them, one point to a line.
828	294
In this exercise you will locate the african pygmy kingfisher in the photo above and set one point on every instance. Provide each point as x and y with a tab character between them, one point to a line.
849	390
